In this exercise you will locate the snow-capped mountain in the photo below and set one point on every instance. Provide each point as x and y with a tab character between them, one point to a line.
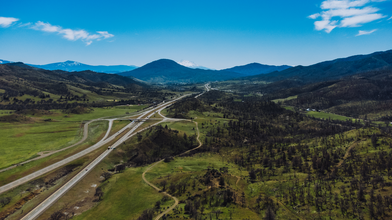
71	66
4	61
69	63
192	65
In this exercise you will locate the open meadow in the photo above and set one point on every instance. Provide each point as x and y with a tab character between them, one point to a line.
47	131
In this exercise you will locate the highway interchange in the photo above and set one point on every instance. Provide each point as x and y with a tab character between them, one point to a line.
133	126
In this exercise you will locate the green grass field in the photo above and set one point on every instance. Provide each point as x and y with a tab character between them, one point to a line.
289	108
6	112
325	115
182	126
285	99
126	196
96	129
21	141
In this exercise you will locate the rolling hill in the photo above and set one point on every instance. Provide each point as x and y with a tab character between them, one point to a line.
256	68
165	71
103	77
71	66
355	96
329	70
23	86
292	78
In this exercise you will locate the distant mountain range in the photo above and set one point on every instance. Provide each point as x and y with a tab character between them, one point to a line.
256	68
329	70
85	77
72	66
168	71
165	71
292	79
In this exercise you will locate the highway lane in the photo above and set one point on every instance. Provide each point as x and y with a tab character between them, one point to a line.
207	89
85	136
46	154
58	164
56	195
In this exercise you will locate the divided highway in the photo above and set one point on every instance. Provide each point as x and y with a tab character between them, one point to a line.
85	136
56	195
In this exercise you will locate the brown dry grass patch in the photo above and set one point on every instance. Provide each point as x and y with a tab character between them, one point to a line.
20	135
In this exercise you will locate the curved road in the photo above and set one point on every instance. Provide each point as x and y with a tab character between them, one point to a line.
44	154
58	164
56	195
149	168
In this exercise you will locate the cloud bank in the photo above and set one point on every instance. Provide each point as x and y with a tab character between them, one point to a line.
7	21
345	13
70	34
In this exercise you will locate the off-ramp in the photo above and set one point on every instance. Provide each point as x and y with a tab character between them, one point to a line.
60	192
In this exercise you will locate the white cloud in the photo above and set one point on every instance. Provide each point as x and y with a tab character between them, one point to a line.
325	24
345	13
105	34
7	21
390	18
42	26
365	32
314	16
335	4
356	21
72	35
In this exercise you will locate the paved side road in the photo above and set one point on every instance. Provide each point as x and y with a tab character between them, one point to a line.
35	213
85	136
42	155
61	163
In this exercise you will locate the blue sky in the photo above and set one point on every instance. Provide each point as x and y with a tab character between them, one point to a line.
215	34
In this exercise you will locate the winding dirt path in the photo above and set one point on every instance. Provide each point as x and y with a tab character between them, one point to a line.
238	179
285	207
165	193
347	154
